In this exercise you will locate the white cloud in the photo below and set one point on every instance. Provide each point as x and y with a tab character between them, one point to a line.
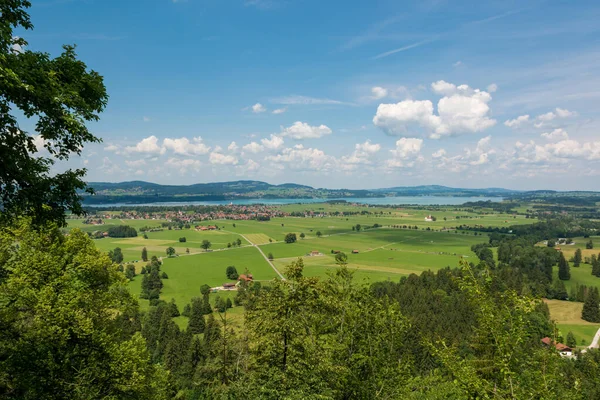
363	152
146	119
461	110
544	119
272	144
251	166
39	142
301	130
438	154
135	163
444	88
253	147
280	110
233	147
300	158
515	123
16	47
406	153
258	108
112	147
492	88
457	64
184	165
378	92
557	134
147	145
562	113
222	159
185	147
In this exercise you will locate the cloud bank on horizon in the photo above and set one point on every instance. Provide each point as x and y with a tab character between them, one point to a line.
496	96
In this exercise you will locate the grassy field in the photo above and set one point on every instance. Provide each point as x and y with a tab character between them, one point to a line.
382	253
567	315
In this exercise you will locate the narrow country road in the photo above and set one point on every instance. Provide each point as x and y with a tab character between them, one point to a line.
594	344
261	252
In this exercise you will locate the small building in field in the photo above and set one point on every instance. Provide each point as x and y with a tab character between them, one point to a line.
429	218
563	349
246	277
336	252
314	253
354	251
228	285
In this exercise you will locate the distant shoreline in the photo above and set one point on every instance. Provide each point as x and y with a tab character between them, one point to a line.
396	200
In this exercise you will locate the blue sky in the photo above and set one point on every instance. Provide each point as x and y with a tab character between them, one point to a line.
355	94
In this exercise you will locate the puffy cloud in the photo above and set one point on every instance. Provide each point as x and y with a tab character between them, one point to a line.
222	159
557	134
185	147
378	92
274	143
461	110
112	147
148	145
362	154
233	147
562	113
301	130
184	165
394	118
39	142
444	88
482	154
573	149
438	154
544	119
251	166
258	108
406	153
280	110
253	147
492	88
301	158
515	123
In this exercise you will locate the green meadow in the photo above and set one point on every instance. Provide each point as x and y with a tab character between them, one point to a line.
383	253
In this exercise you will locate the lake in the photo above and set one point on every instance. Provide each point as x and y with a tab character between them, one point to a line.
418	200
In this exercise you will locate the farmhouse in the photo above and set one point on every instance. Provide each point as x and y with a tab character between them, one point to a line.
246	278
228	285
314	253
563	349
429	218
354	251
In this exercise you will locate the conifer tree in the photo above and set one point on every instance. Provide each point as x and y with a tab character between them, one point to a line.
591	306
595	265
564	272
206	308
196	323
577	258
144	254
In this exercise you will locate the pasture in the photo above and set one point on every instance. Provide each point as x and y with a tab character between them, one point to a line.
383	253
567	315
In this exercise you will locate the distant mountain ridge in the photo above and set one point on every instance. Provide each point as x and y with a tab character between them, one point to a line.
148	192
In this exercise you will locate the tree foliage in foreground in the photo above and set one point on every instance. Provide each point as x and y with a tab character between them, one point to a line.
61	95
68	322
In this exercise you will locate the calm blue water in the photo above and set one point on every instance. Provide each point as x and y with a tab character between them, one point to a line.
419	200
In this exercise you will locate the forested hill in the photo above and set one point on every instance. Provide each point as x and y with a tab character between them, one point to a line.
140	191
